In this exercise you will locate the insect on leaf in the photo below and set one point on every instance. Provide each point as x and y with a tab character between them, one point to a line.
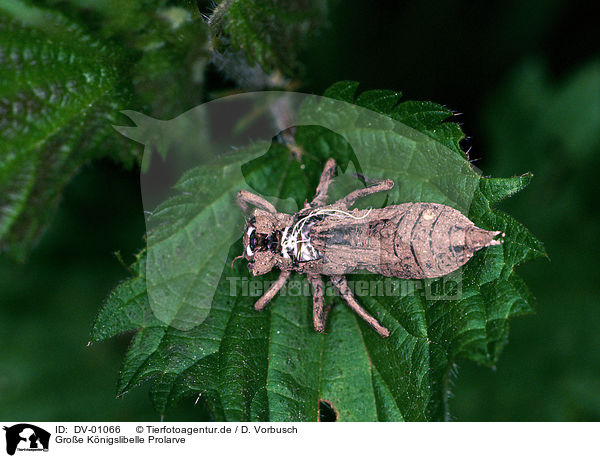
272	365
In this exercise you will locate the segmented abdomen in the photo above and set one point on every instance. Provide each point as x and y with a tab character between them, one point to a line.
429	241
412	240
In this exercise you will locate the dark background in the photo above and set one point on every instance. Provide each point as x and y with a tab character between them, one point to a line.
526	77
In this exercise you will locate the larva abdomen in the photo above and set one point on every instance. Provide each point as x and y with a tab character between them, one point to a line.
412	240
433	240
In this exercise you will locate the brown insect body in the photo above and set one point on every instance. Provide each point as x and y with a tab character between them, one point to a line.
411	240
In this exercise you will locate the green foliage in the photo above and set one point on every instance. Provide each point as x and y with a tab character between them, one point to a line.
551	126
58	98
62	86
561	120
272	365
543	117
269	33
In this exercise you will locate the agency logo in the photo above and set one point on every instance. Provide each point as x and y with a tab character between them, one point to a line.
26	437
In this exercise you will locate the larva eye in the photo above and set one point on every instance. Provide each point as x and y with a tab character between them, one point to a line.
251	241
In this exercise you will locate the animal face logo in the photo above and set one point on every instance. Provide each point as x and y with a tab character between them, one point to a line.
26	437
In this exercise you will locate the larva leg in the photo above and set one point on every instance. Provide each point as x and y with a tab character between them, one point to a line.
319	313
351	198
245	199
339	281
273	289
324	182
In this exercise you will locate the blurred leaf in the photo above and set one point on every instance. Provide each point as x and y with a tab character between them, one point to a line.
272	365
558	120
551	126
62	87
59	95
165	45
270	33
169	76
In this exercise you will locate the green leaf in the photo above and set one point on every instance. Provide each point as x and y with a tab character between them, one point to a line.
550	124
58	98
63	83
269	33
272	365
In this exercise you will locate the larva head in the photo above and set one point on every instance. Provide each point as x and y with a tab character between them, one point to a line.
261	242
